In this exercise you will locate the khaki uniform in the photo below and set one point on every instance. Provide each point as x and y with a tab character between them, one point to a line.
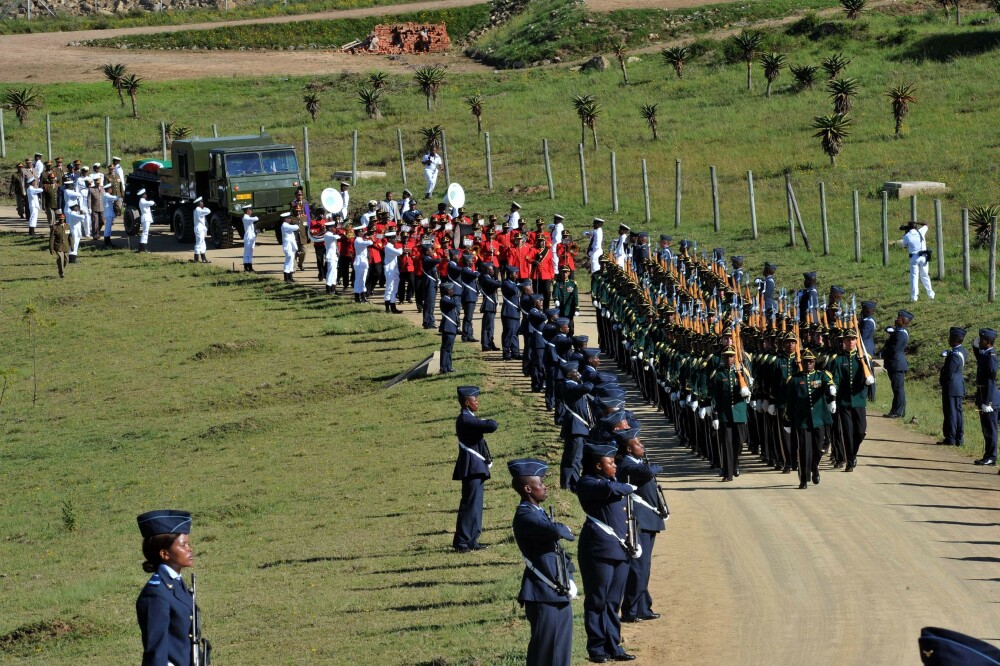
59	244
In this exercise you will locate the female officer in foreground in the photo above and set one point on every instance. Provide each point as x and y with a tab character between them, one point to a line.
165	608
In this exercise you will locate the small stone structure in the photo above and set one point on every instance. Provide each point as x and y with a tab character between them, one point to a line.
403	38
906	188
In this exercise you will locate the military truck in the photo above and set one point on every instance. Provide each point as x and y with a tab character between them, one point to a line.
228	173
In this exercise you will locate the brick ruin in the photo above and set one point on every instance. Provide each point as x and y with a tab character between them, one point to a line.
403	38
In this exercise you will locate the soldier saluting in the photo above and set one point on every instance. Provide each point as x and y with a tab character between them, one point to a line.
472	468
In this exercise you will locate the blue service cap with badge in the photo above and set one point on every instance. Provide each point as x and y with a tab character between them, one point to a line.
988	333
943	647
591	352
957	332
570	366
164	521
524	283
768	266
455	287
551	312
809	275
511	270
614	403
613	418
834	289
581	339
468	392
600	450
665	237
738	259
526	467
608	390
905	314
607	378
869	305
625	436
562	321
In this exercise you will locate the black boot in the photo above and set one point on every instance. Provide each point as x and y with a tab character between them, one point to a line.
31	231
204	259
250	268
395	310
246	268
108	244
357	297
387	306
72	258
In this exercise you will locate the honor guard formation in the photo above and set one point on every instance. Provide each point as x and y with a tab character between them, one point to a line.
739	367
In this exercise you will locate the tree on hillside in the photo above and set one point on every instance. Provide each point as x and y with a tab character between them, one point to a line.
618	48
772	63
946	6
832	130
22	101
432	136
475	104
587	110
311	100
677	57
805	75
835	65
648	113
372	99
854	8
981	218
378	80
749	44
131	84
430	80
958	11
842	92
901	97
114	73
175	132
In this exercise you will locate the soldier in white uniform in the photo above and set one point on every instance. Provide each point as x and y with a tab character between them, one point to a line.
74	218
619	246
201	213
346	196
432	164
330	239
514	216
38	166
249	237
145	219
34	203
361	245
390	257
289	244
914	241
82	187
596	248
108	199
557	236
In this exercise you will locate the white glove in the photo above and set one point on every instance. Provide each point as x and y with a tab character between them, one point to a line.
632	357
709	410
715	424
573	592
557	303
833	407
869	380
673	396
702	412
788	430
640	356
745	392
833	390
754	404
634	488
771	410
577	313
944	354
890	329
694	404
750	381
986	409
645	366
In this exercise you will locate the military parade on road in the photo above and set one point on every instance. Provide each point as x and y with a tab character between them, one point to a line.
741	369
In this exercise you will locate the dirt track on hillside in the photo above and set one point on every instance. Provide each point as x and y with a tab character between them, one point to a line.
758	572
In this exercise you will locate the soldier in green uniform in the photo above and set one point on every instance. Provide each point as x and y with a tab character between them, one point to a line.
566	296
852	384
729	410
809	402
59	242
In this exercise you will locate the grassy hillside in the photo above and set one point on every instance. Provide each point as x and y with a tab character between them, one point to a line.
708	118
303	34
323	503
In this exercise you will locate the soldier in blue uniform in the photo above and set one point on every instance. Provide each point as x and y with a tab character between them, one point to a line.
943	647
547	586
165	607
767	289
451	306
866	327
603	553
894	355
952	384
510	315
488	285
987	394
577	421
665	253
472	468
430	265
808	297
737	274
470	295
650	512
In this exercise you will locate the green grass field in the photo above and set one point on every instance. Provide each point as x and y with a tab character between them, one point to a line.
323	503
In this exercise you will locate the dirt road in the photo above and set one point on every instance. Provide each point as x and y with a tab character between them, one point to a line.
759	572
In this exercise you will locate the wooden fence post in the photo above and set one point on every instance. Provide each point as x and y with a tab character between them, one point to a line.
583	175
939	238
354	158
215	130
824	220
489	162
3	138
677	193
913	207
402	159
991	293
966	275
107	140
791	215
444	156
645	190
548	169
885	228
715	198
261	132
753	206
798	214
614	183
163	139
305	155
857	228
48	134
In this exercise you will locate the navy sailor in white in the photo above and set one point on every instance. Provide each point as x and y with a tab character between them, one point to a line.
472	468
547	586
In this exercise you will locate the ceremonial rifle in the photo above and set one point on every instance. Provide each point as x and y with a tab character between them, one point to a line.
562	571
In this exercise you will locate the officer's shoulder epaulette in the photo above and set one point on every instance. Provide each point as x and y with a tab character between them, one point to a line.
827	373
154	579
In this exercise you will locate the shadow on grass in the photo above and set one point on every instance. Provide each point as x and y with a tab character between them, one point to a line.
419	584
947	47
444	567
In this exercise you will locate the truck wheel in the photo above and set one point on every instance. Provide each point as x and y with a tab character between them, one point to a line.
182	224
221	229
130	219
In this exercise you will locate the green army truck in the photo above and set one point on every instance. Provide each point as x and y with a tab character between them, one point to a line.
228	173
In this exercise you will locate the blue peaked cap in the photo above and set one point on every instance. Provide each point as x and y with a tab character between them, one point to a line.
527	467
164	521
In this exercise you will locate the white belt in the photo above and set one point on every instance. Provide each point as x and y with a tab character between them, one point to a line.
639	500
456	324
577	416
607	530
571	592
475	453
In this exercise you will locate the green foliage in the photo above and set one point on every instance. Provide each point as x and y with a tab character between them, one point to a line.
371	98
835	65
429	80
648	113
981	219
176	132
854	8
748	44
832	130
475	104
618	47
432	136
587	110
131	84
67	511
772	63
22	101
115	74
378	80
677	57
311	100
901	97
842	92
805	76
319	34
